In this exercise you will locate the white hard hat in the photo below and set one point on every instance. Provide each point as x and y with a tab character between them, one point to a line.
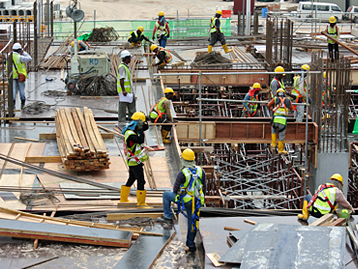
17	46
125	54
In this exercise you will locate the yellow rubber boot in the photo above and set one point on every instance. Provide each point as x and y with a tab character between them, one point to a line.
273	143
133	44
141	197
210	49
124	194
305	214
226	49
281	145
164	136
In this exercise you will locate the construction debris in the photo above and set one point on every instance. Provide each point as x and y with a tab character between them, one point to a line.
210	59
104	34
96	85
79	141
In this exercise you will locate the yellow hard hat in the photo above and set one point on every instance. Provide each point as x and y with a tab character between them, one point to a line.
188	155
306	67
256	86
73	44
153	47
337	177
280	69
332	19
168	90
138	116
324	74
280	90
161	13
219	12
140	28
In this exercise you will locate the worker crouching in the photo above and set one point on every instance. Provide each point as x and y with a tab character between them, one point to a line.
188	192
136	37
280	105
162	54
251	109
160	113
326	199
135	156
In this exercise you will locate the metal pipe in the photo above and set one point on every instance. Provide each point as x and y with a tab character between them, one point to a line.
200	115
241	101
230	73
306	136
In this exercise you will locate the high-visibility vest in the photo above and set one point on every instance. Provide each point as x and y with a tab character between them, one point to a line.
193	184
213	26
168	56
19	65
157	111
333	32
296	89
324	200
252	106
161	28
127	80
133	32
135	154
280	111
279	82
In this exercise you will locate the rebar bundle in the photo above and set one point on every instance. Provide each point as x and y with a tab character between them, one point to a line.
211	59
96	85
36	108
104	34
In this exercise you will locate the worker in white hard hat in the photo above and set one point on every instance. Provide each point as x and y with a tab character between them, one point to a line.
216	34
300	92
251	109
161	29
326	199
125	88
333	31
136	37
19	73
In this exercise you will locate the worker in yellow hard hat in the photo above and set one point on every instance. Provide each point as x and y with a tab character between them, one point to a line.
216	34
164	56
136	37
300	92
160	113
135	156
81	46
189	193
251	109
161	30
326	199
280	105
333	31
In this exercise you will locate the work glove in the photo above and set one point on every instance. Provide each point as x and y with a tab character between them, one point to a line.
140	124
168	36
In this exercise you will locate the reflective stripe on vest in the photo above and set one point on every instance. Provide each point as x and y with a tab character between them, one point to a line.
195	188
158	110
280	111
135	34
296	90
127	80
20	66
212	25
252	106
279	82
138	151
168	56
321	204
333	32
161	28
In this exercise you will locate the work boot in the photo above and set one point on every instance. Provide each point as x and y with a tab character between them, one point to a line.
164	136
281	145
124	194
164	220
226	48
22	103
189	249
273	143
304	216
210	49
141	197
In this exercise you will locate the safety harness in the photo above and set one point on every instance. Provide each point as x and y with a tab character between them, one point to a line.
253	105
321	190
155	108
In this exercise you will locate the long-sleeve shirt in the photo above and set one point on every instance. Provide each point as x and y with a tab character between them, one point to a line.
248	98
134	38
272	103
139	137
301	87
166	27
24	57
166	106
161	57
180	179
342	201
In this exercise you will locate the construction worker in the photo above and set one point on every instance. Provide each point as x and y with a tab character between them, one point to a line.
326	200
136	37
125	88
82	46
300	92
162	54
326	86
160	113
280	105
135	156
19	73
333	30
188	192
251	109
216	34
161	27
276	82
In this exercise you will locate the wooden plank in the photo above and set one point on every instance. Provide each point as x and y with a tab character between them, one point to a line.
65	233
79	130
250	221
337	222
124	216
26	139
52	136
227	228
214	258
85	130
339	42
43	159
322	220
136	258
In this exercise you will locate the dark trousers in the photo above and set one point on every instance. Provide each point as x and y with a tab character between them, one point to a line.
136	39
215	37
315	213
136	173
163	119
334	47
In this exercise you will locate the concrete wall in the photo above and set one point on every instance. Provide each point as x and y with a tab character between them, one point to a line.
327	165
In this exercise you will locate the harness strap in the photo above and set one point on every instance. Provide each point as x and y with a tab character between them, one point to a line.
126	149
315	197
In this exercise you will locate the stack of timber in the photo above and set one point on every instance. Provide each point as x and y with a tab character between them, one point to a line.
79	141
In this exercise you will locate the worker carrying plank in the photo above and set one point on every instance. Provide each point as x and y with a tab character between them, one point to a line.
161	28
136	37
326	199
300	92
333	30
160	113
251	109
188	192
280	105
135	156
162	54
216	34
